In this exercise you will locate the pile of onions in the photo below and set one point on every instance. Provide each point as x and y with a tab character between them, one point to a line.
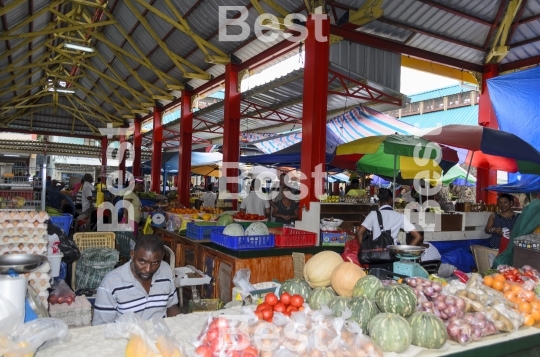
471	327
444	307
424	287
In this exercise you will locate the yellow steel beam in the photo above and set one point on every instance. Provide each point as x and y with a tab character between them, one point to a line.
14	4
36	62
92	94
89	113
90	3
200	74
8	80
21	106
19	88
369	11
9	120
163	97
277	8
498	50
141	57
22	100
78	115
111	118
58	30
24	23
439	69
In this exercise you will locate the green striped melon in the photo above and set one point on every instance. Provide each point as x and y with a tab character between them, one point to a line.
390	331
338	305
428	330
367	286
397	299
363	310
320	296
296	287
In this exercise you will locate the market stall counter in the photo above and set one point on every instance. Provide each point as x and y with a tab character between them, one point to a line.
90	341
221	264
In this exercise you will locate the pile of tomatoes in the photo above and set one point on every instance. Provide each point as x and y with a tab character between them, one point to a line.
248	217
286	304
221	339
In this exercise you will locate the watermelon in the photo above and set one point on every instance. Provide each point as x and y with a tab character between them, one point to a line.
390	331
224	220
234	229
367	286
428	330
338	305
363	310
320	296
296	286
397	299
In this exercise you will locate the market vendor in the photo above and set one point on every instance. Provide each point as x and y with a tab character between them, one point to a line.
392	221
254	203
144	285
354	189
286	209
501	221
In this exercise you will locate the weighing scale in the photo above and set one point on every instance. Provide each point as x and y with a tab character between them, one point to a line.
407	264
14	286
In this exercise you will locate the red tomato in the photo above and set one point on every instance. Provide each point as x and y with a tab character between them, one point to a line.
204	351
267	314
212	334
292	309
251	349
219	323
271	299
262	306
301	308
297	300
285	298
259	315
280	307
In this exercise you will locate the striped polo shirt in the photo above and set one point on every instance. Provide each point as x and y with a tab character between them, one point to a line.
121	292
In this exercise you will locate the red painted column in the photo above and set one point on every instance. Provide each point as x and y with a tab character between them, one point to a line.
231	134
157	137
137	147
104	145
487	118
184	151
122	163
314	107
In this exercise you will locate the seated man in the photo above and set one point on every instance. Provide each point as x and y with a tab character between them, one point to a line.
144	285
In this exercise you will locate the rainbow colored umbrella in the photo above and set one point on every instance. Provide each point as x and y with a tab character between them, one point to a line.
386	155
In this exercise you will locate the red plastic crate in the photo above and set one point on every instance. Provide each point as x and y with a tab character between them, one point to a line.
291	237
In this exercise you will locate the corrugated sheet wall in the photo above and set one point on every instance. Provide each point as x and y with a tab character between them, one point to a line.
377	65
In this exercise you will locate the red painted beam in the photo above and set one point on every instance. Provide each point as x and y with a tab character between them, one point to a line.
137	143
231	123
184	151
122	163
314	108
526	62
104	145
525	42
397	47
157	137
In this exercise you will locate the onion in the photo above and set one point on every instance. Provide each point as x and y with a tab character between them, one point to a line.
449	300
437	313
469	318
479	316
427	304
437	288
443	316
460	304
481	324
477	334
440	305
411	282
463	339
527	268
451	311
429	291
453	330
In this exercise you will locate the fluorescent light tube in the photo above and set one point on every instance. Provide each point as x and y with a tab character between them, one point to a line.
12	155
78	47
62	90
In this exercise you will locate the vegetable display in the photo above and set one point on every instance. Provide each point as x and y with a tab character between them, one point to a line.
296	287
318	269
367	286
390	331
396	299
320	296
363	311
338	304
428	330
344	278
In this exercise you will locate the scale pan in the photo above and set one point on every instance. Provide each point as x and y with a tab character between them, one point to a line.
21	263
406	251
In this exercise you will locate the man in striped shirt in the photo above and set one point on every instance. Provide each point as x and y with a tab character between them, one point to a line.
144	285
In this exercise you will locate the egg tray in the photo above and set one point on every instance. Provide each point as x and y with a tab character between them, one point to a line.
40	281
22	239
23	231
21	248
28	216
22	224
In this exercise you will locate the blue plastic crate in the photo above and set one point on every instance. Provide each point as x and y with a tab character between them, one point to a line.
242	243
197	232
63	222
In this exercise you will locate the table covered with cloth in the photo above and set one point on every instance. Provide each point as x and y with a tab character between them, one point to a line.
91	342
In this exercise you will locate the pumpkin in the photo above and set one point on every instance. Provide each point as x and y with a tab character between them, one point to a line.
318	269
338	305
320	296
363	310
537	230
428	330
344	278
396	299
367	286
390	331
296	286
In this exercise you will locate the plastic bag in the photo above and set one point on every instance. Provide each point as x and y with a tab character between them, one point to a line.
166	343
61	293
338	345
241	280
321	333
53	245
296	334
31	336
446	306
424	288
350	252
361	344
471	327
132	327
10	317
224	337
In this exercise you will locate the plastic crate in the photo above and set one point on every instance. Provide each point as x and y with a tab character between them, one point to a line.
291	237
268	224
243	242
200	232
63	222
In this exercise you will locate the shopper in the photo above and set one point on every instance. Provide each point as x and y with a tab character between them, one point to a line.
209	197
87	198
254	203
100	196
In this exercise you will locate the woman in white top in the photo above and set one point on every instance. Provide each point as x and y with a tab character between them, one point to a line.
209	197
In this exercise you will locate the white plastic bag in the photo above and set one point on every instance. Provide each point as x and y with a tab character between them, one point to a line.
241	280
31	336
133	328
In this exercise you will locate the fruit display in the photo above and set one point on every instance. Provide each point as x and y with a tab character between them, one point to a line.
224	220
344	278
390	331
367	286
338	304
397	299
428	330
320	296
471	327
248	217
257	229
221	338
329	199
363	311
180	210
318	270
3	203
285	304
234	229
296	287
356	199
445	306
212	210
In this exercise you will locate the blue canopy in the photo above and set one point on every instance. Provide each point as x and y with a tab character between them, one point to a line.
169	161
519	184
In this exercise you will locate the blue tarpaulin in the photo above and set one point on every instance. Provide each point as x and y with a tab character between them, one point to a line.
458	252
519	184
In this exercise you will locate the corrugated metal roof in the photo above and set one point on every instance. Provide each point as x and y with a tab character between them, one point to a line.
220	94
438	93
465	115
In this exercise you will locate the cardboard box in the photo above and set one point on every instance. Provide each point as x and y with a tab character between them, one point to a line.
523	256
336	238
